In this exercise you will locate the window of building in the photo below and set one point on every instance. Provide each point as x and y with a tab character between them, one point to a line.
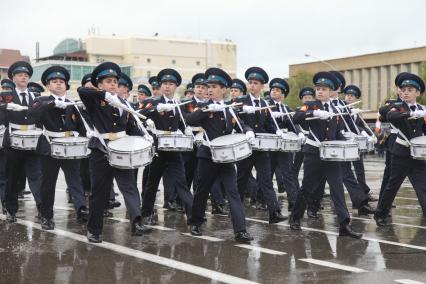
379	88
76	73
198	63
173	61
219	65
388	81
148	73
148	60
369	87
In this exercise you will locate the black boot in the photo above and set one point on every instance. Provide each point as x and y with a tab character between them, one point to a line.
346	230
312	214
169	206
10	217
219	210
150	220
380	221
138	229
93	238
243	237
366	210
196	230
276	218
82	214
47	224
294	223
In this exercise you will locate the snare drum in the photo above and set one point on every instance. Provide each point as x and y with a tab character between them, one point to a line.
266	142
69	147
175	142
129	152
362	143
25	139
291	142
339	151
418	148
370	146
230	148
2	131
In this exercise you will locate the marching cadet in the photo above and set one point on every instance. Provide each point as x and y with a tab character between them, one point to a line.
327	127
237	89
306	94
281	162
155	85
189	91
58	119
19	160
143	94
260	121
353	93
35	88
109	123
217	122
7	85
408	117
166	117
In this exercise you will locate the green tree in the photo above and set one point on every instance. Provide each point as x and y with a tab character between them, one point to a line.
296	83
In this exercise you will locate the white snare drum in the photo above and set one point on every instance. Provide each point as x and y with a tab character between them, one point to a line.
418	148
175	142
69	147
129	152
370	146
230	148
266	142
2	131
25	139
291	142
362	143
339	151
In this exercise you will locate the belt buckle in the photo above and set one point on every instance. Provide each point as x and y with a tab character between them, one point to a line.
67	134
24	127
112	136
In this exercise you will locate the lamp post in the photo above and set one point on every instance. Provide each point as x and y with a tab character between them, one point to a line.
320	60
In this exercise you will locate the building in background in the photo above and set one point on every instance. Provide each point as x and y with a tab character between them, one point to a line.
7	57
373	73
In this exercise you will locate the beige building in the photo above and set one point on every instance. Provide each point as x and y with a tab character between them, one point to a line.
148	55
373	73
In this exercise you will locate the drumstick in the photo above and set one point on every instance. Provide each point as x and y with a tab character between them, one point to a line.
361	111
351	104
261	108
335	114
126	108
224	106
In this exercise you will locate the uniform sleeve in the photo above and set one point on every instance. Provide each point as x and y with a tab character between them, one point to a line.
91	98
397	114
39	107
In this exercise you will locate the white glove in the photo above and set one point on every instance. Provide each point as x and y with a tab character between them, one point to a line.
112	99
365	134
418	113
214	107
188	130
302	136
250	136
322	114
150	124
60	104
355	111
16	107
277	114
249	109
148	138
165	107
279	132
90	133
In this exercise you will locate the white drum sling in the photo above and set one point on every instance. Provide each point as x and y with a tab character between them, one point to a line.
129	152
2	131
230	148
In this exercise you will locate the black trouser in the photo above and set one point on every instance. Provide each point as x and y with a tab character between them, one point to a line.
360	174
102	177
18	161
402	167
3	177
85	174
50	169
281	166
190	163
316	170
168	185
208	172
262	163
359	197
174	164
297	164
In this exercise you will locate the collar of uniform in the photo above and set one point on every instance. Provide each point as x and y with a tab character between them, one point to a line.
19	92
220	102
409	105
198	100
58	97
167	99
254	98
327	102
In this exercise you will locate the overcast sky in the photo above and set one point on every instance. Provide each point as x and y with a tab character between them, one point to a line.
270	34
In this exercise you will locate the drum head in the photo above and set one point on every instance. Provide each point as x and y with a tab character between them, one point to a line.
71	139
228	139
129	143
32	132
421	140
266	135
291	135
